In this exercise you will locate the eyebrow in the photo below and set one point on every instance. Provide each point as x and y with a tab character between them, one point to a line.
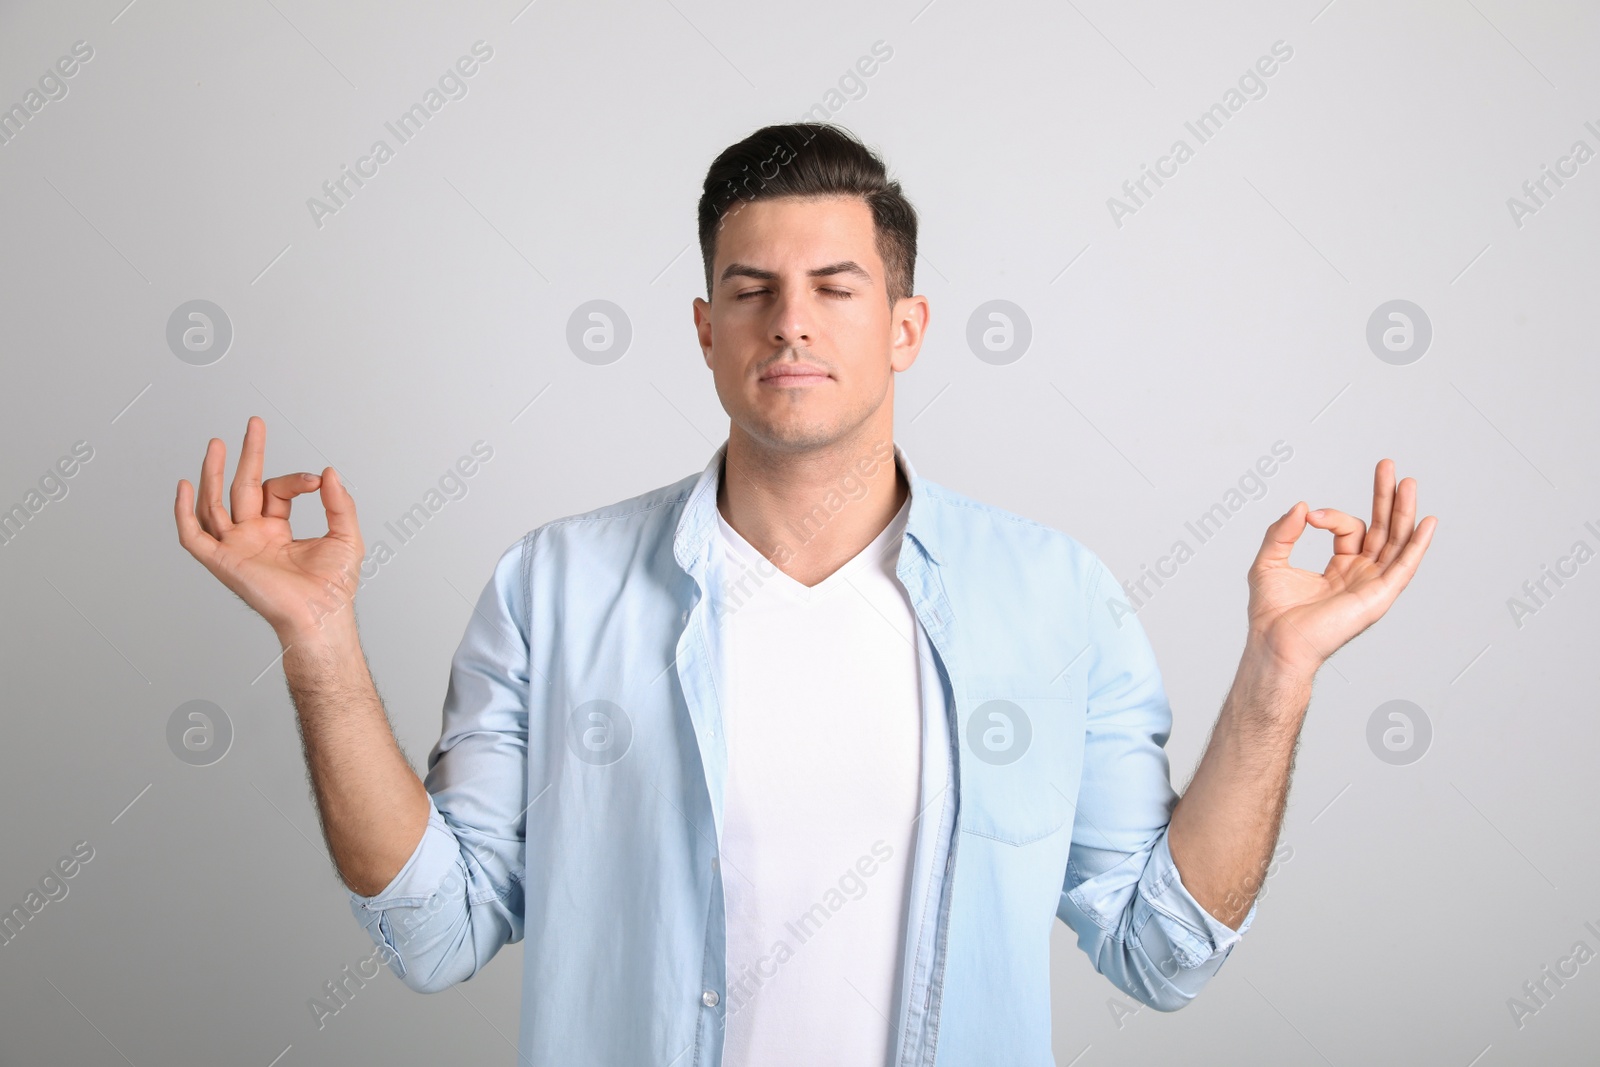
844	266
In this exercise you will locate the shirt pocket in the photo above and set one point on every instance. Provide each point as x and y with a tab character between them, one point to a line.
1021	757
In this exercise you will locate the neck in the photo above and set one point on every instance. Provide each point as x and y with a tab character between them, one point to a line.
811	512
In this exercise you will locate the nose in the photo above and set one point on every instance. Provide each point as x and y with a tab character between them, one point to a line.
791	317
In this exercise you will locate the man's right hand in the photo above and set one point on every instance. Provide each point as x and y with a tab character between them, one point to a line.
299	587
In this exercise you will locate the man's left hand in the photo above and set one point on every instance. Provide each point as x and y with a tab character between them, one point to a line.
1299	618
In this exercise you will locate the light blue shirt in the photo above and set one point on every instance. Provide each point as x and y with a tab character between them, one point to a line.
576	790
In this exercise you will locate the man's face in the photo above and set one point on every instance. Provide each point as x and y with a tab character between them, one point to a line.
799	333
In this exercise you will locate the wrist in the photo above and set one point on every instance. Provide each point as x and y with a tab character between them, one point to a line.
321	638
1260	661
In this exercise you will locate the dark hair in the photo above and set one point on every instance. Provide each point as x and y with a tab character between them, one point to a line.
810	160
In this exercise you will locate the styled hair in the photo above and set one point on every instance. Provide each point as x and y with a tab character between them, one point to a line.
811	160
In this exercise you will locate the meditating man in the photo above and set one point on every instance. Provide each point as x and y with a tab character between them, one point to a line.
796	760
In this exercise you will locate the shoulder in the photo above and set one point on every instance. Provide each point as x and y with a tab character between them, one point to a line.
662	504
970	530
649	516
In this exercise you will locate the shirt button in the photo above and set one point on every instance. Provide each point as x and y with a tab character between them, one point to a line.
683	617
709	998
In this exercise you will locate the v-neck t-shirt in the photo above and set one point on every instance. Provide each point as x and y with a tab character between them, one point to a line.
820	692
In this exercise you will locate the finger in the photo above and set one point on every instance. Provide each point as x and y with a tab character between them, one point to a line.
1347	530
1281	536
340	508
199	544
208	509
1405	511
1382	509
246	494
1397	575
278	493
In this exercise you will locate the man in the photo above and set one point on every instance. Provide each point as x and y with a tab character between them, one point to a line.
795	761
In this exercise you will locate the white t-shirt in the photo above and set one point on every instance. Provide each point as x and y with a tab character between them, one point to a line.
821	710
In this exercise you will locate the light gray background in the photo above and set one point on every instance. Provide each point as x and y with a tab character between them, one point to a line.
1168	354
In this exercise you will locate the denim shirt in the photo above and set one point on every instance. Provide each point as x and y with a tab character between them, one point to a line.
576	790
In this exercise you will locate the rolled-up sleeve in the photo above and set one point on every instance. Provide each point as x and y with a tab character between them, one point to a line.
1122	896
459	897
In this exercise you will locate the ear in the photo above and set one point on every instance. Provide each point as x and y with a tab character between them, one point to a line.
908	324
702	327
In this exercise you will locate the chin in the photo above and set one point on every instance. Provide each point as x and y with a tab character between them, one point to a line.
794	436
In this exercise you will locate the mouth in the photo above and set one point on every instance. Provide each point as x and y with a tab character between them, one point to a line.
791	375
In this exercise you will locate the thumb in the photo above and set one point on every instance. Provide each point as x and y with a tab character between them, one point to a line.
340	508
1281	536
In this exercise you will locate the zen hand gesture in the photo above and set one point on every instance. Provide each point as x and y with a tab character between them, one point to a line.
294	585
1300	618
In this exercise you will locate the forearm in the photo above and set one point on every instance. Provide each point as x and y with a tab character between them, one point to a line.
1226	824
373	806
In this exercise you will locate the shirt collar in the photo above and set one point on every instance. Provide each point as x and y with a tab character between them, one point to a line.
699	519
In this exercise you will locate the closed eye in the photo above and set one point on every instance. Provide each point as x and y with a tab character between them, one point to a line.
835	292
